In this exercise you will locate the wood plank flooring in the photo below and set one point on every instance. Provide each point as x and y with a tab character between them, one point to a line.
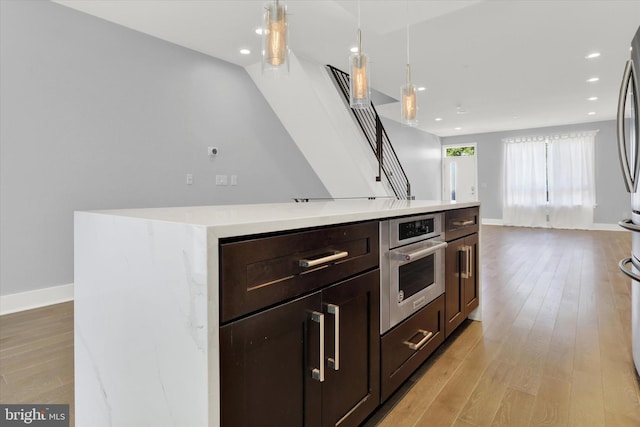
553	349
36	356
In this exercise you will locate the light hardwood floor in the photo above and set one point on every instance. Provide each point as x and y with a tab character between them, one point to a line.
553	348
36	356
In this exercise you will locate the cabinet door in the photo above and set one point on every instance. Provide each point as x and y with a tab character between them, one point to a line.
461	281
454	296
470	283
351	390
265	367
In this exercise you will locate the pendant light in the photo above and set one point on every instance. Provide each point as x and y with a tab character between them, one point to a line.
275	38
408	91
359	95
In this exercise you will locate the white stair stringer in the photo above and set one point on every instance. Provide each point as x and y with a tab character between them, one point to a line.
310	107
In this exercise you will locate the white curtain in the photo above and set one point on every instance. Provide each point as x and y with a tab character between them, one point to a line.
571	181
525	183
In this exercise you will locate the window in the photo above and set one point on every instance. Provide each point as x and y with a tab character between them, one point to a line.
461	151
549	181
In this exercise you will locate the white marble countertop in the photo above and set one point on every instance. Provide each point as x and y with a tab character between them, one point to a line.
238	220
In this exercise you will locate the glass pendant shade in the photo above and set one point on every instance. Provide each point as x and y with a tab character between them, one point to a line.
359	94
408	101
275	36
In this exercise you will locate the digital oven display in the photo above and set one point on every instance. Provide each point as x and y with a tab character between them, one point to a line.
421	227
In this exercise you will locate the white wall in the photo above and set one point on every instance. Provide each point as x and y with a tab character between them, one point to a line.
97	116
420	154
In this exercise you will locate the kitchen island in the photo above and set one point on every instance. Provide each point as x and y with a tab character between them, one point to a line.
147	301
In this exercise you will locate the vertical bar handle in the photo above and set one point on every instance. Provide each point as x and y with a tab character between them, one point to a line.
318	373
630	181
464	272
469	261
334	362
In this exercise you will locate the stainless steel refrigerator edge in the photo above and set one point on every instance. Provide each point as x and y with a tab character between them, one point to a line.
629	151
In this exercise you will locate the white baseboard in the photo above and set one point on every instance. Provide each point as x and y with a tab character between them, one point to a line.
490	221
607	227
595	226
37	298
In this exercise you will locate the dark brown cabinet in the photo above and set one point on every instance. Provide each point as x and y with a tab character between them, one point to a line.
461	267
408	345
313	360
263	367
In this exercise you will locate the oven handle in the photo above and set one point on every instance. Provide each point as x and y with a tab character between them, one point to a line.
434	246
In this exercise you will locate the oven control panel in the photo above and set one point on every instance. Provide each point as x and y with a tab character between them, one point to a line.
411	229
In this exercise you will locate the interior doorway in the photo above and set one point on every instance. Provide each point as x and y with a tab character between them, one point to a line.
460	172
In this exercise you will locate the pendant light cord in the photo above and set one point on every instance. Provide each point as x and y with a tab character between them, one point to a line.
408	61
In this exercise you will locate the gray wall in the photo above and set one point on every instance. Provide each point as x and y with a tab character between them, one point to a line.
96	116
613	203
420	155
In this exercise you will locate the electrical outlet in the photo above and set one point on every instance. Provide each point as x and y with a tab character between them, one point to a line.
221	180
234	179
189	179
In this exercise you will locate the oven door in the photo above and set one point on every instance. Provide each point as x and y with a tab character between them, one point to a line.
416	278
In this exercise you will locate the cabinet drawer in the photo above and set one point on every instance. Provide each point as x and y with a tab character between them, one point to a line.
262	271
408	345
461	222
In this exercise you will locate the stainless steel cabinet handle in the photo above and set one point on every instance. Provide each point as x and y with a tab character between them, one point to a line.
469	261
464	272
334	362
328	258
463	222
629	225
318	373
630	181
631	274
417	346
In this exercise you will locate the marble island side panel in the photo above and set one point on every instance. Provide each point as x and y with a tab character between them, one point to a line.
141	322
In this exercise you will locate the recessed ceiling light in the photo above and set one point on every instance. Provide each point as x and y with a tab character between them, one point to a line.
592	98
354	49
421	88
259	31
593	79
245	51
591	113
593	55
458	128
438	119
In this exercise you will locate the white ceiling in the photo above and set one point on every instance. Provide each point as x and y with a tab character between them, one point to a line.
509	64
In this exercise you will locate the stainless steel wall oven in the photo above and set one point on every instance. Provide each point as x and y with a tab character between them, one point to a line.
411	266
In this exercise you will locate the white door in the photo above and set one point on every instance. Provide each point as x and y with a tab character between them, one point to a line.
459	172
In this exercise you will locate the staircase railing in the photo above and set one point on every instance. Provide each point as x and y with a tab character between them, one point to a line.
376	135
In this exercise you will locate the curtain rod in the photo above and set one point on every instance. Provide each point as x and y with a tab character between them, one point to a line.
556	136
